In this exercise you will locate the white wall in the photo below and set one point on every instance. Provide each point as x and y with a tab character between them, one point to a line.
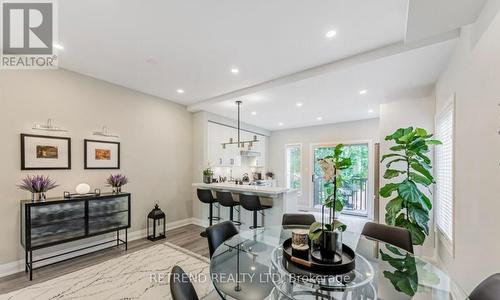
365	130
474	76
401	114
156	143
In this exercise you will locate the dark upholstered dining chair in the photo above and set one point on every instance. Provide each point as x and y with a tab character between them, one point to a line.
219	233
489	289
297	219
399	237
181	287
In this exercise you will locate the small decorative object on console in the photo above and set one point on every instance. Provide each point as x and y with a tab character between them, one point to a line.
156	230
82	189
38	185
116	181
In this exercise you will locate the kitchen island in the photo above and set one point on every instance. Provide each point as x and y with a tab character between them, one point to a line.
282	200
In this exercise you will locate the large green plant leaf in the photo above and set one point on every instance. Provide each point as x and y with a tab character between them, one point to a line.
389	164
391	173
409	191
421	132
392	208
420	179
407	137
422	170
343	164
388	189
420	217
392	155
315	230
434	142
424	158
398	148
417	233
427	204
396	135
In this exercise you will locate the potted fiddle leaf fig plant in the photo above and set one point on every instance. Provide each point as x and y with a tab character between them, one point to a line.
409	207
328	233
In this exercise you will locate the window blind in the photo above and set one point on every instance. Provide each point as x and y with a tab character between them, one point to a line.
444	172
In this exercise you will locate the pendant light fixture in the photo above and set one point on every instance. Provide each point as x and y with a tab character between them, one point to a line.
239	142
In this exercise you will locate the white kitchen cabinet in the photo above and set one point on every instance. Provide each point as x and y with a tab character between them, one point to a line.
217	156
230	156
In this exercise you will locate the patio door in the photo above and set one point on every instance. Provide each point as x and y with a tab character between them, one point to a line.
356	186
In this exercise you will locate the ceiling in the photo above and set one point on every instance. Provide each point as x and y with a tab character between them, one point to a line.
335	96
162	46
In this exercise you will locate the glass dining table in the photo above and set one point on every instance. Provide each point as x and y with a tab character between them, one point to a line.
251	265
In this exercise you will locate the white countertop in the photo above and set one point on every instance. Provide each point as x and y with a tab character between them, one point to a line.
245	188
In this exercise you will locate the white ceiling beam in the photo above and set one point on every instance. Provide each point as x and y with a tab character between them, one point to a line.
336	65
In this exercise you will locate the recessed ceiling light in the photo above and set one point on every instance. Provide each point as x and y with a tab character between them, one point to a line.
280	124
319	118
58	46
370	111
299	104
362	92
235	71
254	113
331	34
180	91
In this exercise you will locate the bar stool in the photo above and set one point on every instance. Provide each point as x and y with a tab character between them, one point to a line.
252	203
226	199
206	196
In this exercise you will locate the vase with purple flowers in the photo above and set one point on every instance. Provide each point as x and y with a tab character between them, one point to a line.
116	181
38	186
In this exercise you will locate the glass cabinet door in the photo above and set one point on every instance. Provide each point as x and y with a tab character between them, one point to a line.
57	222
107	214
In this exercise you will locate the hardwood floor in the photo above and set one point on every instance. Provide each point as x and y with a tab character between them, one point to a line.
187	237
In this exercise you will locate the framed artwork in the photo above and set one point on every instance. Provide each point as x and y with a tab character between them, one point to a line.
41	152
101	154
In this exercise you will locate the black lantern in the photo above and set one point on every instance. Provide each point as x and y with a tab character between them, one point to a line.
157	216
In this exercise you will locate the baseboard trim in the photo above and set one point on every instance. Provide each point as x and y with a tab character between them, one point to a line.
18	266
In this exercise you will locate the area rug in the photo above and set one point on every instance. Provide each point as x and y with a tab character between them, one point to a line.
139	275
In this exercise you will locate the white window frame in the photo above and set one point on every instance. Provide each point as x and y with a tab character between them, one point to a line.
286	177
448	243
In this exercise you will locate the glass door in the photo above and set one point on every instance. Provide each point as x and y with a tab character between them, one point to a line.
355	179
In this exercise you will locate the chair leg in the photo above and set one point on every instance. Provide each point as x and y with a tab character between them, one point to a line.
254	219
231	216
211	214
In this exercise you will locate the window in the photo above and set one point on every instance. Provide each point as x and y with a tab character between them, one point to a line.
293	167
354	190
444	172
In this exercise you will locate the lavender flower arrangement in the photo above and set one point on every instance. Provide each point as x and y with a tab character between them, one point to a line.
37	184
116	180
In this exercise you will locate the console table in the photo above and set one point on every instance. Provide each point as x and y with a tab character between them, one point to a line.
61	220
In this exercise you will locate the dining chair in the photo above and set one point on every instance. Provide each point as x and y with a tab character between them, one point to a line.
488	289
253	204
219	233
181	287
225	198
298	219
206	196
397	236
